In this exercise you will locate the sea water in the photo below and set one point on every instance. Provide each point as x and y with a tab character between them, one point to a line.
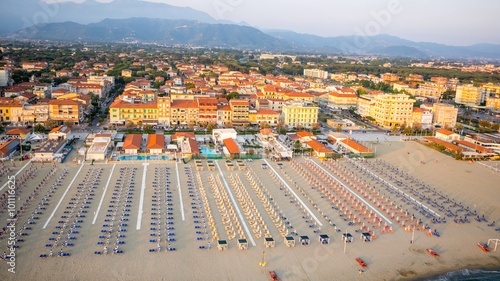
469	275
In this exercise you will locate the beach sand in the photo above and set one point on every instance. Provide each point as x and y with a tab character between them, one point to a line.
389	256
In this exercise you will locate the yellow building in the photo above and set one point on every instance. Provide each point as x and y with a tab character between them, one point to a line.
392	109
184	112
268	116
10	110
66	110
337	99
445	115
470	95
121	111
127	73
298	96
163	110
298	113
239	111
493	102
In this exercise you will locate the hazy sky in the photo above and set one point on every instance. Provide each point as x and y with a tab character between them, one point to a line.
454	22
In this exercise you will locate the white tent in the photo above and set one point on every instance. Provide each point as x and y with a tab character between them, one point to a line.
38	137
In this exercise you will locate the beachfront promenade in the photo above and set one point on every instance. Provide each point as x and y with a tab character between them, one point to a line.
318	216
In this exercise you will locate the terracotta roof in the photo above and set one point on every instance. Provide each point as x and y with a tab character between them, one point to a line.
8	146
184	104
184	135
342	95
445	132
231	146
132	141
267	132
478	148
64	102
243	102
356	146
63	129
318	147
156	141
417	109
297	95
447	145
18	132
124	104
194	146
304	134
267	111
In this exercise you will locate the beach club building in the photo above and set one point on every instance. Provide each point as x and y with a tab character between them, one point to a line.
447	135
219	135
156	143
232	148
59	133
132	143
19	133
356	148
319	149
6	149
99	148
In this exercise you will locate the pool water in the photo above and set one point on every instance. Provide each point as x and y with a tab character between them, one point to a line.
207	151
143	158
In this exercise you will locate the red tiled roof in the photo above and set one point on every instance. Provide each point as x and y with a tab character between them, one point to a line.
447	145
183	134
132	141
342	95
184	104
266	132
356	146
18	132
156	141
304	134
318	147
445	132
231	146
478	148
194	146
267	111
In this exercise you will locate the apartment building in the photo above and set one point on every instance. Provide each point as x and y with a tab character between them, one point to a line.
239	111
120	112
445	115
392	109
470	95
66	110
298	113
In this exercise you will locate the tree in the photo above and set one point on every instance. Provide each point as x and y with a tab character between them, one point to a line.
39	128
148	130
129	124
484	124
211	127
316	126
281	128
459	156
233	95
50	124
338	128
297	144
300	127
459	127
262	124
69	124
496	127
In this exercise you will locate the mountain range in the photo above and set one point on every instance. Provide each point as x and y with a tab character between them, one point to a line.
141	21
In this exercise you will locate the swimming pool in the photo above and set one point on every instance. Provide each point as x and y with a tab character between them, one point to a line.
207	151
143	158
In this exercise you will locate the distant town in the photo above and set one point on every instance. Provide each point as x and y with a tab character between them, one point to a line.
131	89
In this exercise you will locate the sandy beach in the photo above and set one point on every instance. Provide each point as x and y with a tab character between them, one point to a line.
389	256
